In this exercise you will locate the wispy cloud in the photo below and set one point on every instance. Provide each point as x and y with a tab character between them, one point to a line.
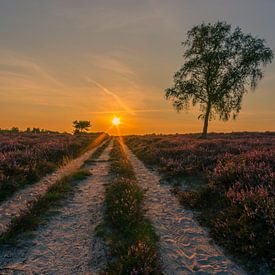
22	67
25	82
24	79
111	62
134	110
109	16
117	65
113	95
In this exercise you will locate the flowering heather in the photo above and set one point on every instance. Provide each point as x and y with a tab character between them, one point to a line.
24	158
237	201
185	154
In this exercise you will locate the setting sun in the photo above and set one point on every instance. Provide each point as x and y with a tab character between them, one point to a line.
116	121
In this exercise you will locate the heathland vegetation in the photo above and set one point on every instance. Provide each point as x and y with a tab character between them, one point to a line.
26	157
228	178
129	234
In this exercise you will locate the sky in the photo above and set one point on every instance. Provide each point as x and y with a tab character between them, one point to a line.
66	60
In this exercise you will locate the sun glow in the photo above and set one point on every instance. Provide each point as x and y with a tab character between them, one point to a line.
116	121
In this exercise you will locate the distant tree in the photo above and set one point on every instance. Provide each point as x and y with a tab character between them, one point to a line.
219	66
14	130
81	126
36	130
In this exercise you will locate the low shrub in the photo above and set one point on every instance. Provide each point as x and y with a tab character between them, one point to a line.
130	236
123	200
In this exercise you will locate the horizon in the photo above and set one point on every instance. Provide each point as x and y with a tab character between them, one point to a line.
63	61
116	134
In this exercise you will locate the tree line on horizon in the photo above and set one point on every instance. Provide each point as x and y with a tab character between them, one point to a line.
80	127
33	130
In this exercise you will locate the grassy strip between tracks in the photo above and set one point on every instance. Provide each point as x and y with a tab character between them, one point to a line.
97	153
35	216
129	235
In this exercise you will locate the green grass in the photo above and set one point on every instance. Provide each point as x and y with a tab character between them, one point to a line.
120	166
97	153
36	214
129	235
79	174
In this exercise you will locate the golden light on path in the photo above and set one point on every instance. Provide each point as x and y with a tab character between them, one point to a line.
116	121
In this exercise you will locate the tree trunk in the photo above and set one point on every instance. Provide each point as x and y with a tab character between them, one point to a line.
206	119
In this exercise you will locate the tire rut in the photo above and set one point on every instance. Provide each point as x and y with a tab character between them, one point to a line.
22	199
67	244
185	247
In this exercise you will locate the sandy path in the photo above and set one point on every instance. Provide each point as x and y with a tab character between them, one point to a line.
21	200
67	243
185	247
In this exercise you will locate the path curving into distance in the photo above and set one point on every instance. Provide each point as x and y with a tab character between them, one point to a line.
22	199
185	247
67	244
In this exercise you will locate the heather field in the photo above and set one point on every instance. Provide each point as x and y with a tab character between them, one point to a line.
26	157
152	204
228	179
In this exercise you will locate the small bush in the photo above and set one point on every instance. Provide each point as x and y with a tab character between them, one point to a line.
123	203
136	254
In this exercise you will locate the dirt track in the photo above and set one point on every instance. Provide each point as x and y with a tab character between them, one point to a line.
22	199
185	247
67	244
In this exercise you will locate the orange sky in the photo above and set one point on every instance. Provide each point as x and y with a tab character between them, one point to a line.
67	60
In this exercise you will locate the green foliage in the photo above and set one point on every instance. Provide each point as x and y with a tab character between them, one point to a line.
79	174
14	130
219	65
81	126
121	167
97	153
130	236
123	200
137	253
